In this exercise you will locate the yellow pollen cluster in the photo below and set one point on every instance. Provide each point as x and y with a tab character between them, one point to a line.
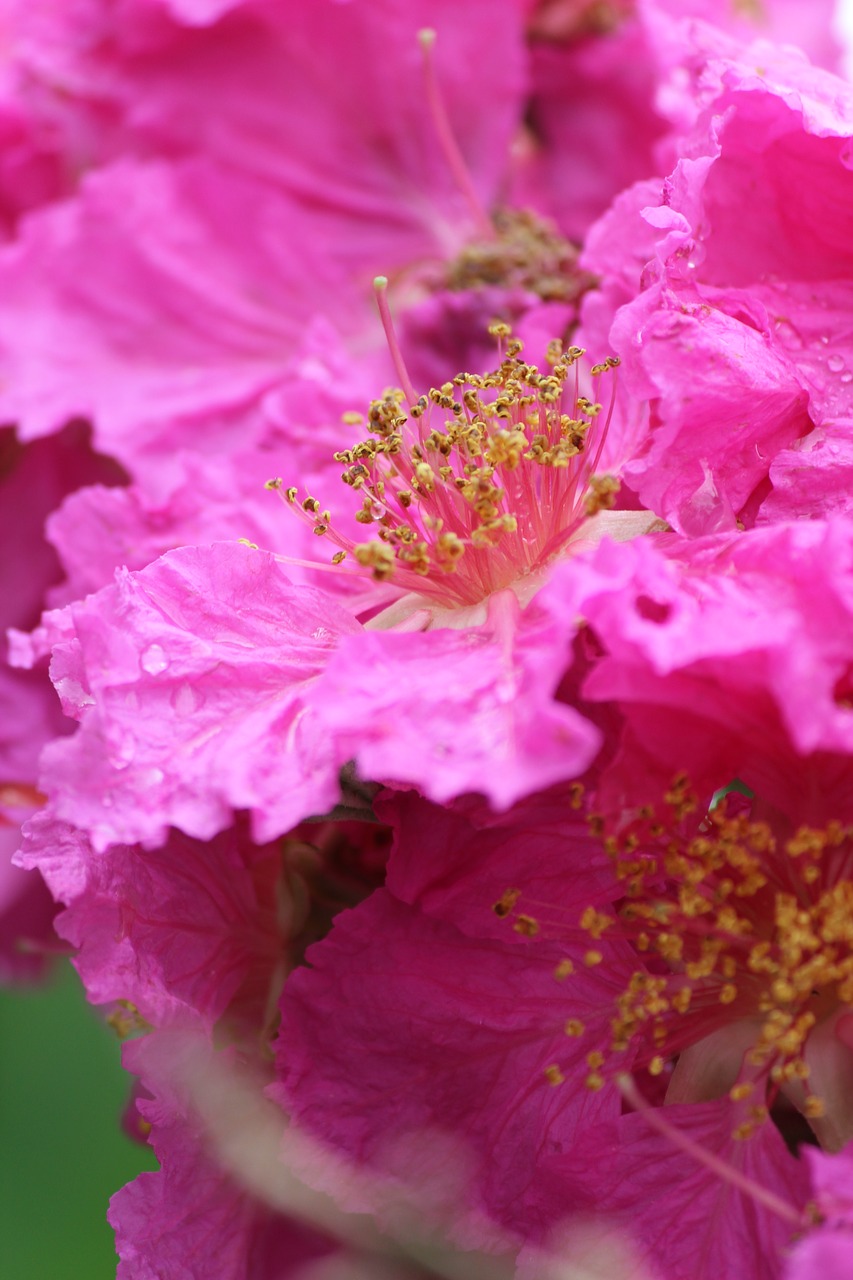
478	483
727	918
526	253
729	925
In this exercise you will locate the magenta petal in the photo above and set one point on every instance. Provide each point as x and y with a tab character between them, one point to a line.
687	1219
192	1220
454	863
452	1036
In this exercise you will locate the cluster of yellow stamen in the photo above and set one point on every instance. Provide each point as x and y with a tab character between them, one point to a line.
476	484
730	924
526	252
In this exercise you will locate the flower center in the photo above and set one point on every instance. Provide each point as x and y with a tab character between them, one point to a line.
514	248
732	930
478	484
526	253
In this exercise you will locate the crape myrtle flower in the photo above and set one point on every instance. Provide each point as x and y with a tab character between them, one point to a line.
603	69
706	950
473	500
756	319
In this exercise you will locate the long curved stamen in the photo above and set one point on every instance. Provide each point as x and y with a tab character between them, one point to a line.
380	287
447	139
655	1119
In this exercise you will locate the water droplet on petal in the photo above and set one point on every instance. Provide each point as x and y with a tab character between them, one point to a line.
321	633
847	376
122	753
835	363
186	699
154	660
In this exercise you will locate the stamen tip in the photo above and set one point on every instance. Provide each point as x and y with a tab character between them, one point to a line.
427	37
380	283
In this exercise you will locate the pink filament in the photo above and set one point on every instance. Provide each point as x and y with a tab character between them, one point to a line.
447	139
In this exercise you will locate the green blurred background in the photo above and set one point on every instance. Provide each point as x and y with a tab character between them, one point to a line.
62	1153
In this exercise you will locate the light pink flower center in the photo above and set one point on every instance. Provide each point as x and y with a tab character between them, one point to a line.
476	485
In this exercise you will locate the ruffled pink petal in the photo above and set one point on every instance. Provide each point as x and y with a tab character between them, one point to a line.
729	657
814	478
453	711
700	366
191	679
720	300
184	933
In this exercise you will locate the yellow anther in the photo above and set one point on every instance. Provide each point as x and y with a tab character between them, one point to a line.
554	1075
574	1027
563	970
739	1092
506	902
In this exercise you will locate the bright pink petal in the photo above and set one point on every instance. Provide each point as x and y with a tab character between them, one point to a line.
454	711
185	932
822	1255
728	319
704	454
729	657
187	322
191	670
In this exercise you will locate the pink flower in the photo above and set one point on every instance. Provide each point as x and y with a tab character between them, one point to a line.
283	155
760	318
688	970
470	518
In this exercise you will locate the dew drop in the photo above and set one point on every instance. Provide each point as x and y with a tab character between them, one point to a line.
835	363
122	754
847	376
154	660
186	699
321	633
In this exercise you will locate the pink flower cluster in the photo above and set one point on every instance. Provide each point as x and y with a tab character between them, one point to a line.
464	850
